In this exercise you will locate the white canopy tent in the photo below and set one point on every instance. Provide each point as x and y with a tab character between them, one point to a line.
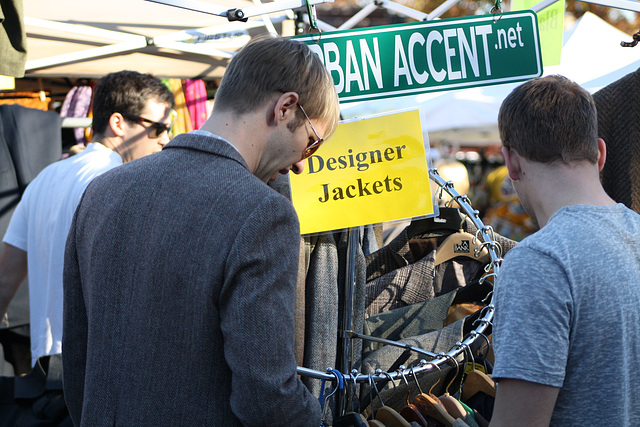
592	50
74	38
87	38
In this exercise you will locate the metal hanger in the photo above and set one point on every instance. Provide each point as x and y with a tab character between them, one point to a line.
374	387
430	405
339	386
410	411
389	416
352	418
478	381
451	404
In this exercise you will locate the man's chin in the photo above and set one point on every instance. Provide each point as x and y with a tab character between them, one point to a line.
277	174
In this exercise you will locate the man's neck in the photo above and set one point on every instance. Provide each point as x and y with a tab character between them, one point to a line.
553	187
238	130
110	143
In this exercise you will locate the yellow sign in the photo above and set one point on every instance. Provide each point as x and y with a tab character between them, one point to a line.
550	27
372	170
7	83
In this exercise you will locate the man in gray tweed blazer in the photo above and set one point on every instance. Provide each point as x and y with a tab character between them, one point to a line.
180	268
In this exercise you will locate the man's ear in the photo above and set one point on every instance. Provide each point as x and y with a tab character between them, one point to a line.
116	124
602	153
286	107
512	161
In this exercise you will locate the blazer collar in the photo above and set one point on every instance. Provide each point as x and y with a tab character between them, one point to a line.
207	144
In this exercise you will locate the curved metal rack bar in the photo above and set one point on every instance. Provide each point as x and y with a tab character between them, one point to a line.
484	238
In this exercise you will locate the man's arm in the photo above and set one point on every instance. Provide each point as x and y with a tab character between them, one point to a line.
523	403
257	320
13	270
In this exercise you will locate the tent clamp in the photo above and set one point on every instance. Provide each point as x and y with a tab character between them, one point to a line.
636	39
236	15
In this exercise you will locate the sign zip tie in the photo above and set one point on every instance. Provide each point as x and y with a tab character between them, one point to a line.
311	11
497	8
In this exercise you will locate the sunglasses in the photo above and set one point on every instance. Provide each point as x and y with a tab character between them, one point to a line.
314	144
158	128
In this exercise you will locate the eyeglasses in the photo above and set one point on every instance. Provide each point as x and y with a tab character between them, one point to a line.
159	128
314	144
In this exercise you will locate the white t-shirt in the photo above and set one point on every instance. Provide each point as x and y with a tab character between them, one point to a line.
40	225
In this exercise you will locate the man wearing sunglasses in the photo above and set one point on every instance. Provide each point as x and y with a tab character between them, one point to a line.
181	268
131	116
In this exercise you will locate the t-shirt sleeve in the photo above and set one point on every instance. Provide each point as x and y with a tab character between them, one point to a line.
532	323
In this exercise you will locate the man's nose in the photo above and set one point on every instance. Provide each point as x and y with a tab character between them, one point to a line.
164	139
298	167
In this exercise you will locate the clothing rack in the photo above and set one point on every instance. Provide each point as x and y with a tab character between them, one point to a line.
76	122
484	238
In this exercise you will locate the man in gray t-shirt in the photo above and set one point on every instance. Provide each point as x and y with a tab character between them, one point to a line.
566	328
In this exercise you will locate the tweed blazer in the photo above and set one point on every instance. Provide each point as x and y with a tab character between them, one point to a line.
179	291
618	125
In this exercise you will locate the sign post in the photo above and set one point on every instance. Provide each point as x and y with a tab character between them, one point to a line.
399	60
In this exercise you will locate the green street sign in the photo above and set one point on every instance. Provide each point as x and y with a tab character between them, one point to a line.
399	60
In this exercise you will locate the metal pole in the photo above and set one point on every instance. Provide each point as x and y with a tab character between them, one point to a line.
346	328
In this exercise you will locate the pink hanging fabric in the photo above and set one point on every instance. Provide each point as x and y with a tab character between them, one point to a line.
195	94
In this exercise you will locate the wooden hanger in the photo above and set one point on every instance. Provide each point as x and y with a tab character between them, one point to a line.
412	413
450	403
391	418
430	405
351	419
477	381
453	406
385	415
460	244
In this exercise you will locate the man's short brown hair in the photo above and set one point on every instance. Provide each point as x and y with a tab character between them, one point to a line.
549	119
269	65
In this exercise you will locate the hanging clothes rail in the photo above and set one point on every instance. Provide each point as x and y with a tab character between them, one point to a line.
76	122
484	238
346	323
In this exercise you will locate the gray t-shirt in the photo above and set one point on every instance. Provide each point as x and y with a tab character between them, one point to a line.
568	314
